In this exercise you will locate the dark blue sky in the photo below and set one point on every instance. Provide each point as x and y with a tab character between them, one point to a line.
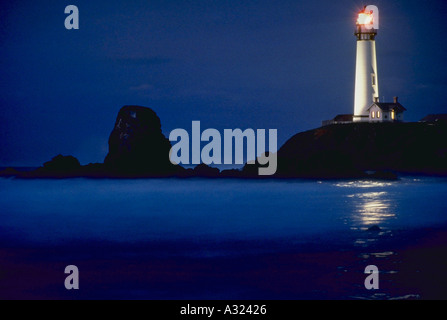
274	64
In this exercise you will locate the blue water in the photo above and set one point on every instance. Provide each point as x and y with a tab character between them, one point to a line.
213	224
138	210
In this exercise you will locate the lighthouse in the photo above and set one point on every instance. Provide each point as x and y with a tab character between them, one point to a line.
367	107
366	79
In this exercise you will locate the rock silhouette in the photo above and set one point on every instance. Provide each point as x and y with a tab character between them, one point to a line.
354	149
61	164
138	148
137	145
203	170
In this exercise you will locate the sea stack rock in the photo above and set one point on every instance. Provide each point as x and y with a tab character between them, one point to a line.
137	146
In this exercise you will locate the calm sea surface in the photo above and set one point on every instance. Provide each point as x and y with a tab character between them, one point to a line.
197	226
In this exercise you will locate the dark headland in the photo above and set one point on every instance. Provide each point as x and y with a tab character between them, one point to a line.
138	149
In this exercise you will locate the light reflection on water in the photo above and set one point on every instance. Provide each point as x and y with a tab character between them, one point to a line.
373	208
369	208
363	184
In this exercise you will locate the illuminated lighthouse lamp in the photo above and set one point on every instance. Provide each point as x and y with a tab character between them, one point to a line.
369	17
366	18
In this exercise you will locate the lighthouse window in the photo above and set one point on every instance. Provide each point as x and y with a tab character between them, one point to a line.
373	79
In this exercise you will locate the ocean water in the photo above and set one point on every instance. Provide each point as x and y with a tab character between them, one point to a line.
216	239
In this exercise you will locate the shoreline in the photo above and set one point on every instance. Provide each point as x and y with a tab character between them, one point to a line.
33	174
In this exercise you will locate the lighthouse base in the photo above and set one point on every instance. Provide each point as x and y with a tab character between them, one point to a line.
360	118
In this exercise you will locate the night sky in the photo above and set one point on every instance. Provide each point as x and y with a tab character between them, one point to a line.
270	64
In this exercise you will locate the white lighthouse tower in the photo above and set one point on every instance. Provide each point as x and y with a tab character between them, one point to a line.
366	79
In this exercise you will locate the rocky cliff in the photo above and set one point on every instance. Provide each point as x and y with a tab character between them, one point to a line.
352	149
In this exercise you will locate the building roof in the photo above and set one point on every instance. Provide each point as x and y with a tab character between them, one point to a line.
343	117
387	106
